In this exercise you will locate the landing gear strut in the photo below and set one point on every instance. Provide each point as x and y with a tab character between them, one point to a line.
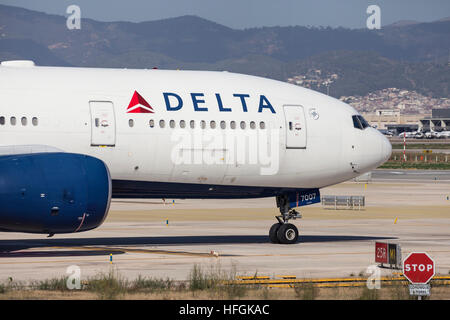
284	232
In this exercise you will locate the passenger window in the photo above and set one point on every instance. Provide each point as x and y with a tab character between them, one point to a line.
23	121
172	124
233	125
262	125
212	124
34	121
13	121
192	124
223	125
2	121
162	123
182	124
130	123
151	123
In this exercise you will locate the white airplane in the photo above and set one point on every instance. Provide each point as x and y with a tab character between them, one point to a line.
443	134
431	134
73	138
406	134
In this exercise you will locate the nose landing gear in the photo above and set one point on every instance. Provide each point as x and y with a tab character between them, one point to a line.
284	232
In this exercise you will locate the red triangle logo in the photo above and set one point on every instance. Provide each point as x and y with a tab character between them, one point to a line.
139	105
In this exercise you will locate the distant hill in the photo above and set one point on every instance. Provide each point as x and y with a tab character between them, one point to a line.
363	72
16	49
410	55
402	23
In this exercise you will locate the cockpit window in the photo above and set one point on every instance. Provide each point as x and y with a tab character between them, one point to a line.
363	121
356	122
359	122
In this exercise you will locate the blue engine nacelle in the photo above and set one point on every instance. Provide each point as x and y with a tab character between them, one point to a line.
53	192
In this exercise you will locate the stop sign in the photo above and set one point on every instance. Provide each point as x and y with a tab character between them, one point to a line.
418	267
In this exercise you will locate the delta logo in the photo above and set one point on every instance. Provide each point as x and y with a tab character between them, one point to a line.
174	102
139	105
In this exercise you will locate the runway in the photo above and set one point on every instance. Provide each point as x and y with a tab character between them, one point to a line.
153	239
445	151
399	174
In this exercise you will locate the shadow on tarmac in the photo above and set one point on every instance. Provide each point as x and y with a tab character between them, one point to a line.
57	253
9	248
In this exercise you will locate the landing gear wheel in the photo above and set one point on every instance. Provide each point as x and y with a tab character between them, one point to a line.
273	233
287	233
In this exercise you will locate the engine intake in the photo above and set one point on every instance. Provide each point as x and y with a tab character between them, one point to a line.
53	192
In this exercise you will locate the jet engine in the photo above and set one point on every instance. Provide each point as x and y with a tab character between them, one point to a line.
53	192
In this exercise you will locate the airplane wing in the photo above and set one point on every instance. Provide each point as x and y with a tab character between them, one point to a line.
26	149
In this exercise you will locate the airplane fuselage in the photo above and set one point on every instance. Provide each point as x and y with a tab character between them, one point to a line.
166	144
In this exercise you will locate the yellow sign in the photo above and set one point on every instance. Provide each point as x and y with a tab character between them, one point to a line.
427	151
392	254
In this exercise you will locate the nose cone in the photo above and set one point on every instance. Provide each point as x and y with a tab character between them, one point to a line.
386	149
375	149
381	147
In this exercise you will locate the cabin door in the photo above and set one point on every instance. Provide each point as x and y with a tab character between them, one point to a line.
295	127
103	123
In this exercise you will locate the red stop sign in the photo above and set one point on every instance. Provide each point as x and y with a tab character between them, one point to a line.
418	267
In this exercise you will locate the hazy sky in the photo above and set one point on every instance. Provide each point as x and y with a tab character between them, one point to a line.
249	13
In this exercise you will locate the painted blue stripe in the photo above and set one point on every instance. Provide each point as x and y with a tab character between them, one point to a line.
149	189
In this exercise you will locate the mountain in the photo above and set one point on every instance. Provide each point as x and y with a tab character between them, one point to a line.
399	55
364	72
18	49
402	23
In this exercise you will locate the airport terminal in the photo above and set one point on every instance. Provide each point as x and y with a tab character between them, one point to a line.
396	123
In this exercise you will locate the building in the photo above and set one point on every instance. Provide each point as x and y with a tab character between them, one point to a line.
391	118
400	128
439	120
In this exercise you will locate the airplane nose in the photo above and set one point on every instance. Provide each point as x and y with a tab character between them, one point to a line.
372	149
376	150
386	149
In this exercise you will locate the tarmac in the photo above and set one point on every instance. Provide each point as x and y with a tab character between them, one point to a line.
150	238
393	174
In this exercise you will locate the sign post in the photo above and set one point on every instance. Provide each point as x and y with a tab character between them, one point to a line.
419	268
389	254
381	253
